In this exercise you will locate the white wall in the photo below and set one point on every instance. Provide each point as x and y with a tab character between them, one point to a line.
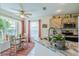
44	32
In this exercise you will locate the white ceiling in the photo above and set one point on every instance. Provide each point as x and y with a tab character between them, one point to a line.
36	8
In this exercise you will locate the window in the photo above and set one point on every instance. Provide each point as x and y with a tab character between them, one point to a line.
7	27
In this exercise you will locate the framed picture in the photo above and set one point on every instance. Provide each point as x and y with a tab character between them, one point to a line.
44	26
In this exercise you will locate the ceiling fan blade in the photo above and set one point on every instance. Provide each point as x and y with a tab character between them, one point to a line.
28	14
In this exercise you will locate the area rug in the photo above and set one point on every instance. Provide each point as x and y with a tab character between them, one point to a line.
23	52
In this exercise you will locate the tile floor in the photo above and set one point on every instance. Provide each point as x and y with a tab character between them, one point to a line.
40	50
72	48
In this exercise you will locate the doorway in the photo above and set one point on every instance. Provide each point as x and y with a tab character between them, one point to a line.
34	30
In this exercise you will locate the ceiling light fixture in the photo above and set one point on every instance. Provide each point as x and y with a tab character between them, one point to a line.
58	11
44	8
22	16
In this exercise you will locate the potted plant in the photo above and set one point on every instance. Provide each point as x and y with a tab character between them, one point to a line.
50	38
59	41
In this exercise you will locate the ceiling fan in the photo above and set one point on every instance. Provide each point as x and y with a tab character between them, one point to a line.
22	13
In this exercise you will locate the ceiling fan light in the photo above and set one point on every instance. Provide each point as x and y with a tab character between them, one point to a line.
22	16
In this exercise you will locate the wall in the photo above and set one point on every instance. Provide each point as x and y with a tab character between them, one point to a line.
44	31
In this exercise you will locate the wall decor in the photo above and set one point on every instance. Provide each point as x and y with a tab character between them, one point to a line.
44	26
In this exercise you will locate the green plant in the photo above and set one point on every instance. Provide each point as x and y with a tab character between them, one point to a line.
58	37
50	38
4	24
1	24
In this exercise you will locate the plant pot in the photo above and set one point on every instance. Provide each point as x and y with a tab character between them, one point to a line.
60	44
